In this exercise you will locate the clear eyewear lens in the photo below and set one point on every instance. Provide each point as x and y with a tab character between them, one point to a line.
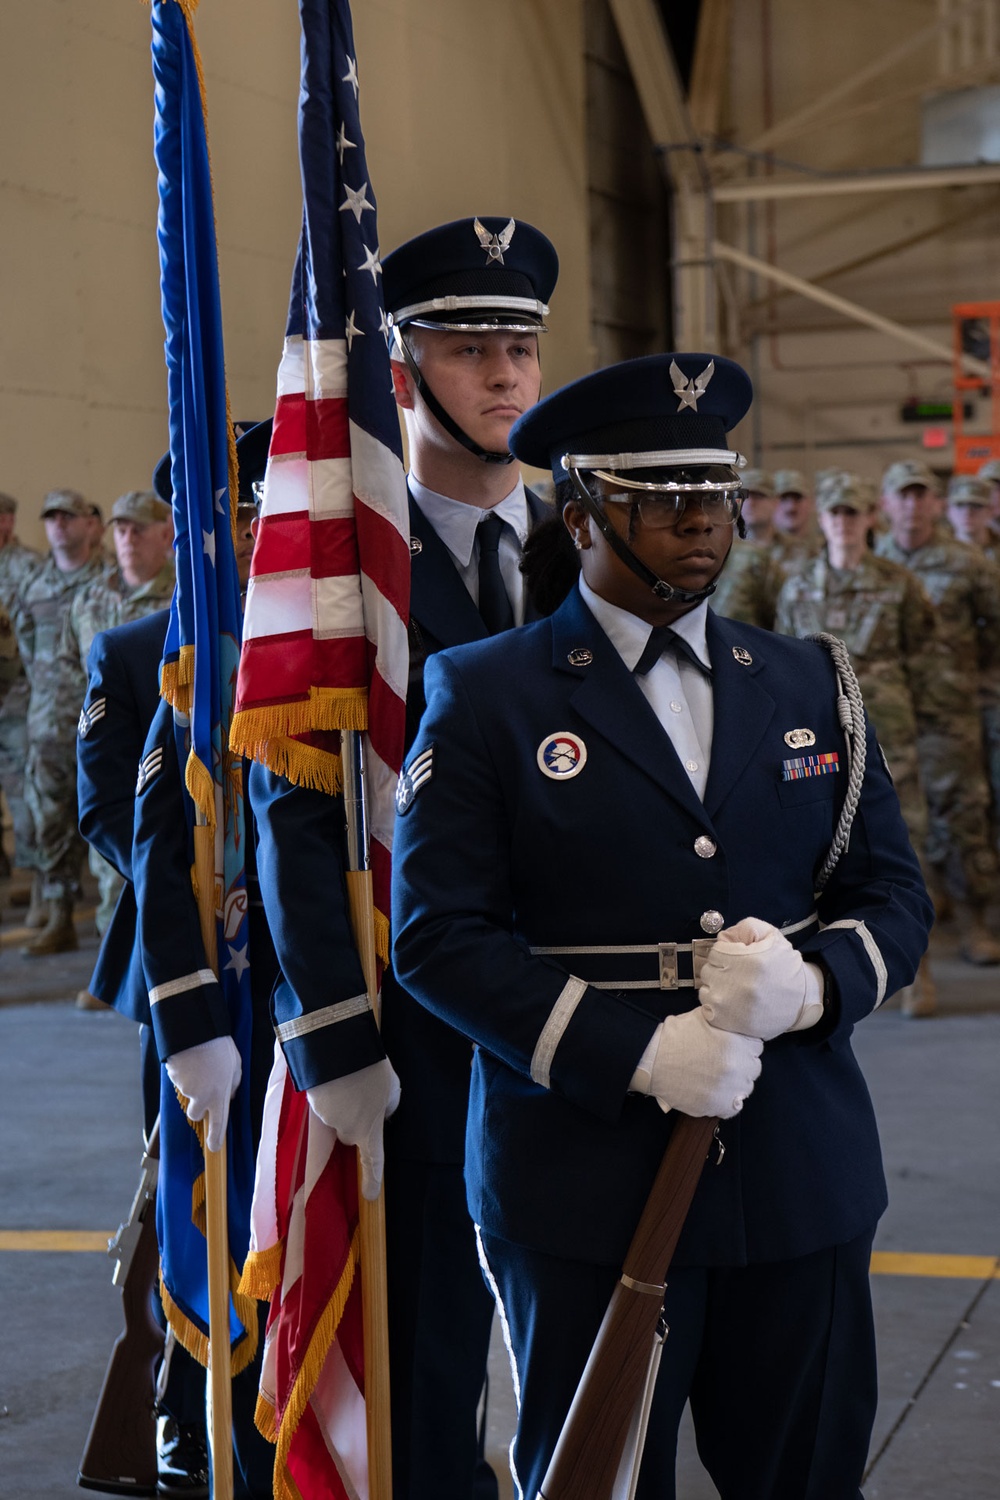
663	512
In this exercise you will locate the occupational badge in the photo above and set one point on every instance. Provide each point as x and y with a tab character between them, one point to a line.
561	755
797	739
413	777
743	656
580	657
416	546
89	715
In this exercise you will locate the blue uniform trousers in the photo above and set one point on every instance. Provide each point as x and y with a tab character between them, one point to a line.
777	1359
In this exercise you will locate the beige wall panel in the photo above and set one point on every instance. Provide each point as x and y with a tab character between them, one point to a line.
829	391
466	108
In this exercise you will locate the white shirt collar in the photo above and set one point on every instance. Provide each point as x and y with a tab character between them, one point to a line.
455	522
628	634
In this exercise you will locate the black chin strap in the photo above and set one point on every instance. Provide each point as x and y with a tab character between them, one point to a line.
447	422
622	550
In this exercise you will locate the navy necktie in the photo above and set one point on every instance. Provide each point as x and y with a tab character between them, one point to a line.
661	639
494	604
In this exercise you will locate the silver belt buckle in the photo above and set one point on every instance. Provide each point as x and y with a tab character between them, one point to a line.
668	965
700	949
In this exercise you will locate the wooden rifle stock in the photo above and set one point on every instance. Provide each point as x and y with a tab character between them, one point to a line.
588	1455
119	1456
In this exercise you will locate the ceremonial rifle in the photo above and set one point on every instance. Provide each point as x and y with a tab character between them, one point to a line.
119	1456
608	1403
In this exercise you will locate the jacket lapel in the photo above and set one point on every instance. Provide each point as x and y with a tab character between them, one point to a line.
608	699
439	601
743	707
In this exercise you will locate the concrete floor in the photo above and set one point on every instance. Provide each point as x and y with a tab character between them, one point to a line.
69	1124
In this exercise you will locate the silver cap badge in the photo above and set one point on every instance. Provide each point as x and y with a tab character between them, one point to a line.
494	244
690	392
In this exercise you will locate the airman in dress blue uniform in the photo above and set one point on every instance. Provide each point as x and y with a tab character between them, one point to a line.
621	869
466	303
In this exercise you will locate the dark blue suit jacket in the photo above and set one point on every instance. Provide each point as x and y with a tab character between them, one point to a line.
433	1061
493	858
123	695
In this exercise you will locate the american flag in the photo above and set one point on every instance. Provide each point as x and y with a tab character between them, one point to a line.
324	650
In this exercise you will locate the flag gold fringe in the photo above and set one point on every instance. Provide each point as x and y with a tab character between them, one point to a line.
263	1419
253	729
177	681
324	1333
191	1337
261	1273
201	788
381	925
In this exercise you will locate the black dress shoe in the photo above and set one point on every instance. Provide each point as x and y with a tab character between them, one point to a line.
181	1459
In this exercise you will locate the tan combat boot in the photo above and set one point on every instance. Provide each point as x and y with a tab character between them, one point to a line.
977	945
38	908
58	935
920	997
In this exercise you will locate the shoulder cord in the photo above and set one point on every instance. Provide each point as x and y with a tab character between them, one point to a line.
851	712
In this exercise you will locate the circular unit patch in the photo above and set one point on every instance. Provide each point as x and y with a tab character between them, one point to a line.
562	755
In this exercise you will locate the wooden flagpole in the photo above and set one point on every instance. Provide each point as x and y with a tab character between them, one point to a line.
216	1215
371	1215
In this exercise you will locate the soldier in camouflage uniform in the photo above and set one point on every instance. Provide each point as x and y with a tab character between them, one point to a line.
964	588
17	563
798	538
140	583
885	619
751	580
50	776
990	471
969	507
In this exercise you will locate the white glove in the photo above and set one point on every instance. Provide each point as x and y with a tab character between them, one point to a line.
208	1076
753	981
700	1071
355	1106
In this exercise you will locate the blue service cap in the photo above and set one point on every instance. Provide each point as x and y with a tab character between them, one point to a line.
477	273
248	458
664	410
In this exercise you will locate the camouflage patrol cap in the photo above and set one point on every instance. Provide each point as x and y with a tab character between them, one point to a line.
990	471
790	482
906	472
140	506
845	490
8	505
969	489
758	481
69	503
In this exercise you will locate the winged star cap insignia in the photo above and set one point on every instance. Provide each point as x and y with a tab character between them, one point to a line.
494	244
690	392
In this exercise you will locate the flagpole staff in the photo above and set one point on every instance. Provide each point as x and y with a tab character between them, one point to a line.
374	1292
216	1217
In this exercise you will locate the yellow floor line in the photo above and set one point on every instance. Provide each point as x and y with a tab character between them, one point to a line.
53	1239
884	1262
961	1267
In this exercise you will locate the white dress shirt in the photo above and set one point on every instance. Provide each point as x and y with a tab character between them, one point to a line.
679	695
456	524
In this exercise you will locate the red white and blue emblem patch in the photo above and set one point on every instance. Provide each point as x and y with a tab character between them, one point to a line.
562	755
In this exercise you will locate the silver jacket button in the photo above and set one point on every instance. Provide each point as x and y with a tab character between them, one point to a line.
712	922
704	847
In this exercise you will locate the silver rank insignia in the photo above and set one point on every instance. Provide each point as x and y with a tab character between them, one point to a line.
561	755
149	767
413	777
89	715
797	738
690	392
494	244
743	656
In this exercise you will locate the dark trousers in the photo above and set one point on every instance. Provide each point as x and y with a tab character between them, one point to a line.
777	1360
440	1314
